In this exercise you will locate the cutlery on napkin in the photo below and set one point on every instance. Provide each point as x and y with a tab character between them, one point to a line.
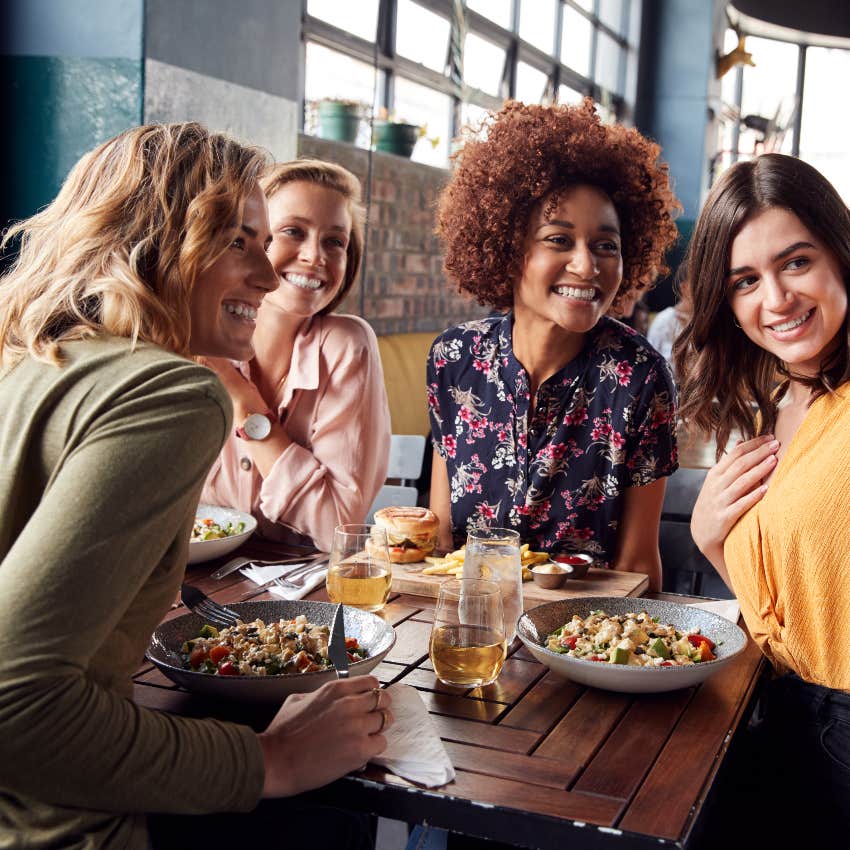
264	575
414	749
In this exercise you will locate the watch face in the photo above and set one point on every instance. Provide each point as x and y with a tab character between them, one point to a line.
257	427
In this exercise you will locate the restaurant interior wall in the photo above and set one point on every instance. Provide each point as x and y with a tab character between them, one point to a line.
71	76
234	67
403	289
674	104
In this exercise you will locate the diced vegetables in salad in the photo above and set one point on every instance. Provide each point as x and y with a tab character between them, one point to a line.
260	649
638	640
209	529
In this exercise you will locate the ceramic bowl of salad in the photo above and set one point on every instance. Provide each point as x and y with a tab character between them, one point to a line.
280	649
629	644
218	531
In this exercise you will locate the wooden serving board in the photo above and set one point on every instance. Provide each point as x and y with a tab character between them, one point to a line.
408	578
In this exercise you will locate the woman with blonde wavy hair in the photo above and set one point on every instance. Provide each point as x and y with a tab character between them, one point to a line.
153	251
315	385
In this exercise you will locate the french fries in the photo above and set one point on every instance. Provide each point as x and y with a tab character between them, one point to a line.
452	564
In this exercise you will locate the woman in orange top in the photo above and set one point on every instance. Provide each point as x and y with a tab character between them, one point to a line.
765	350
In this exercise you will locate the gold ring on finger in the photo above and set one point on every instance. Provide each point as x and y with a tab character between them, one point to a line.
377	693
384	718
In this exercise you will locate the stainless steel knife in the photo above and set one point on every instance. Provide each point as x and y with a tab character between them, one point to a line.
336	647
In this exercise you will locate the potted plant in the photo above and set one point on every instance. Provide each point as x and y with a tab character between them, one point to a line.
392	135
339	120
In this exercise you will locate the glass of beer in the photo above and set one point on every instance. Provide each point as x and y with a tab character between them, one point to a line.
494	554
468	644
359	571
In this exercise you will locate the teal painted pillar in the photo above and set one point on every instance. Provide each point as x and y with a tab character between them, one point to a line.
71	76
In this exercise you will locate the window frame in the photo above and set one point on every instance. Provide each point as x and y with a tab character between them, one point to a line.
381	55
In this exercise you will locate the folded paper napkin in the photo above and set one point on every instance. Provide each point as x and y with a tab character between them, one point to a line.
727	608
261	575
414	749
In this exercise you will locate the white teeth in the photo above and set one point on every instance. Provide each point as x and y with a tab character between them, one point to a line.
303	281
240	309
576	292
793	323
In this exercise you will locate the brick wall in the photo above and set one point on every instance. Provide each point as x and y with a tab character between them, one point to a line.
404	288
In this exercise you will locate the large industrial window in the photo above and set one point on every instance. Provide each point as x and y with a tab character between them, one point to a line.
787	103
441	64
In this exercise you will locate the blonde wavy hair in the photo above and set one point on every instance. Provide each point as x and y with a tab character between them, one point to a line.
331	176
120	248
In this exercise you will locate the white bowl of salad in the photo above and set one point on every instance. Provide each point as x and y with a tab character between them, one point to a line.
629	644
218	531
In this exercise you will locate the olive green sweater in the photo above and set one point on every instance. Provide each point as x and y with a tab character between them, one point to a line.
102	463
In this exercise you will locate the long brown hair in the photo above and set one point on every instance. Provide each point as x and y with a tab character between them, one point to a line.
722	371
120	248
341	180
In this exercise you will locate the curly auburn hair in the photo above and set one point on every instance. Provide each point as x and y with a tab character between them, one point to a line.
530	153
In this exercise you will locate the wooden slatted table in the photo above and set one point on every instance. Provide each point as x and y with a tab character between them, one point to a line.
541	761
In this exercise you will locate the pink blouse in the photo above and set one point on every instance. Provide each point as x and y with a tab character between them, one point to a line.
334	408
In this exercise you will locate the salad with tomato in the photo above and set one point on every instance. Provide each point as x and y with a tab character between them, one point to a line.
638	640
258	649
209	529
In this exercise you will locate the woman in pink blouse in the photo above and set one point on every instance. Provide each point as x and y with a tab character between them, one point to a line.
312	440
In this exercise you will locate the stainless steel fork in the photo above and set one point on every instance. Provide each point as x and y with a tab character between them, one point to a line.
298	578
198	602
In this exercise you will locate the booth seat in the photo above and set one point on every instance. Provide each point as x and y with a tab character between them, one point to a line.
403	357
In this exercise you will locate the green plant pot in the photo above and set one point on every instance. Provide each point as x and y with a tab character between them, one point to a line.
339	121
399	139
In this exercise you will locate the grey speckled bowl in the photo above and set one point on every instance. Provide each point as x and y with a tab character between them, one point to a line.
373	633
535	625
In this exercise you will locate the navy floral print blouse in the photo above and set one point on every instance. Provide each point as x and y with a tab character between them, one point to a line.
603	423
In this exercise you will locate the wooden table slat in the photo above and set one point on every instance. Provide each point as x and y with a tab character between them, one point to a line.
549	699
584	728
496	737
525	797
516	677
456	705
620	765
537	771
689	756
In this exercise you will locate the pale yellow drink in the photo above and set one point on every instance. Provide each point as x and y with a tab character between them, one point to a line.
363	585
469	656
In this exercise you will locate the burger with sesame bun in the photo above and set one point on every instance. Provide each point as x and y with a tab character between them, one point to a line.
411	532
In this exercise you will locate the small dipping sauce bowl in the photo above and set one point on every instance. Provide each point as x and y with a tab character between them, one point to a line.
550	575
576	562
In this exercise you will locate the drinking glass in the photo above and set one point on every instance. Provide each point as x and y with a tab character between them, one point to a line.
359	570
493	554
468	644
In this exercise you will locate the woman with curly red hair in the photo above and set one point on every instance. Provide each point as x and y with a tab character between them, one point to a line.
548	416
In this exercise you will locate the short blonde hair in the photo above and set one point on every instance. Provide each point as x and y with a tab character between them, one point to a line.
331	176
120	248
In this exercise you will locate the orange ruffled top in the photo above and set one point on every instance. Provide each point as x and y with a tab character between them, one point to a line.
789	556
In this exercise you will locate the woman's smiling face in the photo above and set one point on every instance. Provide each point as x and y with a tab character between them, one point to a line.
311	228
573	261
787	290
227	295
